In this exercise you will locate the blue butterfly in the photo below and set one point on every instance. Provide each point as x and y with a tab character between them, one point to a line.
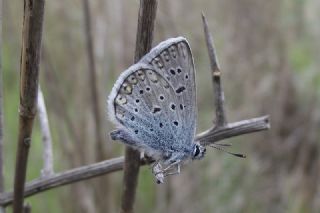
153	104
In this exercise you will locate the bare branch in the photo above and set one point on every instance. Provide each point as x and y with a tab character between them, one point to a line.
116	164
68	177
233	129
29	75
46	137
221	119
146	19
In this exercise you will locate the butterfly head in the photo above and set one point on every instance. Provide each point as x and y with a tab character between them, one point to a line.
198	151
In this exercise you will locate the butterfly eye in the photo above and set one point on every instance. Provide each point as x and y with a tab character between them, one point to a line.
196	151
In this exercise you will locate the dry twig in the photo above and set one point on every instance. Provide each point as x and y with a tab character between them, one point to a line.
29	75
221	119
146	18
116	164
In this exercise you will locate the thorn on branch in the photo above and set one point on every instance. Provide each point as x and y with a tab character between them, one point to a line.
221	119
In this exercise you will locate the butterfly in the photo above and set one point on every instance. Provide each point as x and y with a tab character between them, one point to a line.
153	104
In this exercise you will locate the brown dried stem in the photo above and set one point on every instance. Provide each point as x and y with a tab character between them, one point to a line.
221	119
29	74
146	19
218	131
112	165
233	129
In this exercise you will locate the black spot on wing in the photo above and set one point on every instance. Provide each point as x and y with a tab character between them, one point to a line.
156	109
173	106
180	89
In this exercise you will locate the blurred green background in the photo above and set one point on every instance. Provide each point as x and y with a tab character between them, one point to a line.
269	53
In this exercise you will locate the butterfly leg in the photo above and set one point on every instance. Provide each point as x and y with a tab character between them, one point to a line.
174	172
158	172
173	167
175	159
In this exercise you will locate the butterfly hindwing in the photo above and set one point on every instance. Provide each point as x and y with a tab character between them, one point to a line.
154	100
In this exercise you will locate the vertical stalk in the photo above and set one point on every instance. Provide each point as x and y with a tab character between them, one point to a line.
29	75
221	119
146	18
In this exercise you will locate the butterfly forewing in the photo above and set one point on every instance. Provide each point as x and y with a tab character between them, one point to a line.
155	99
173	60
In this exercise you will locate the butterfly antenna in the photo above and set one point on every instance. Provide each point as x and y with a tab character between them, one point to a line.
231	153
223	144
